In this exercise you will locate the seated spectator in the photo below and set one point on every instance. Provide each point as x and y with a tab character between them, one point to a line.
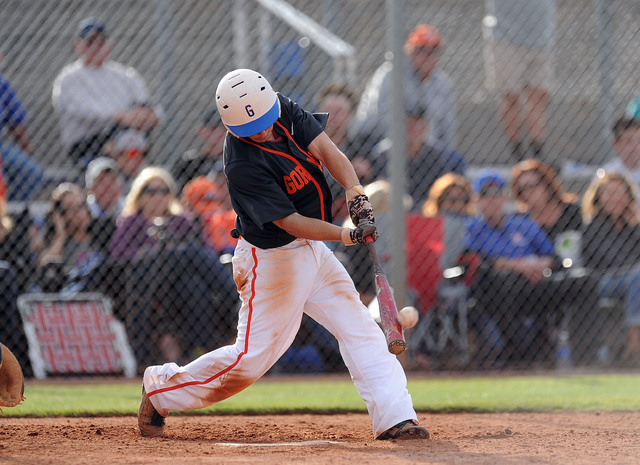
194	163
94	97
611	247
105	199
512	284
70	261
129	150
426	162
22	173
208	199
14	263
448	205
181	298
450	196
538	192
626	143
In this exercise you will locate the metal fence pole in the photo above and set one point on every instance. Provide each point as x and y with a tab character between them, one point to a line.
395	38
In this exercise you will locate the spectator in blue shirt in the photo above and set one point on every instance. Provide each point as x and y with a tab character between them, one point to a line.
22	173
513	285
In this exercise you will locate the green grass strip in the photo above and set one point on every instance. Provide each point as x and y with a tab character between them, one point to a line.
319	395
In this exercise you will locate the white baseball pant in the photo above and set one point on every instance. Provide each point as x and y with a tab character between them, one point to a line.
276	286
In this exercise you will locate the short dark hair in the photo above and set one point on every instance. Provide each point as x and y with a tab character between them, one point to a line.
624	123
338	89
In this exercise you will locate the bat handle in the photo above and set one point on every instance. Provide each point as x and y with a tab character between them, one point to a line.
368	240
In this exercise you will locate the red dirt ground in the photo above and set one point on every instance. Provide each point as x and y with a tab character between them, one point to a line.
565	438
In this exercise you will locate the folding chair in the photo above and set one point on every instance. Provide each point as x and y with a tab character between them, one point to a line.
442	302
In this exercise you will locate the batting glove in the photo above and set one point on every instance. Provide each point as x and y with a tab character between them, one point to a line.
357	236
359	206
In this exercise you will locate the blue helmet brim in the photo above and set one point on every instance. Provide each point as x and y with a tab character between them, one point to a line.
258	125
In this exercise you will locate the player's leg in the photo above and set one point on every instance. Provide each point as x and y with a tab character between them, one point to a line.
377	374
273	286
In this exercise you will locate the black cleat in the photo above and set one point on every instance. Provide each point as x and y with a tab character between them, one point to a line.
150	422
408	429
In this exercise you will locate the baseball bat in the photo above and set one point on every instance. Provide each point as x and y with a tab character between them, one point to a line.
388	310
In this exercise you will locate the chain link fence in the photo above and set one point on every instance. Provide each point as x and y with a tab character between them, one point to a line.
486	297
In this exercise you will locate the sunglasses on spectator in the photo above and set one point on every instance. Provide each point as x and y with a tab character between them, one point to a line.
522	188
454	199
491	190
155	190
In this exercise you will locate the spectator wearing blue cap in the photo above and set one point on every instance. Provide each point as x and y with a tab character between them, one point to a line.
512	285
94	97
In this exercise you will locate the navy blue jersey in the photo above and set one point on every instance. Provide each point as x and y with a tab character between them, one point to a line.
272	180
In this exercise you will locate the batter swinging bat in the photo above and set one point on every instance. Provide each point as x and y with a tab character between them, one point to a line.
388	311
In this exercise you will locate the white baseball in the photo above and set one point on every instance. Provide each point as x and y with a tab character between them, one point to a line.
408	317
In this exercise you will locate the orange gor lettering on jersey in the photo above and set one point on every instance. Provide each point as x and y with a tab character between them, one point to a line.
299	168
297	179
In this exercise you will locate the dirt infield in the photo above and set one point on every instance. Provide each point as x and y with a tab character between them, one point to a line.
472	438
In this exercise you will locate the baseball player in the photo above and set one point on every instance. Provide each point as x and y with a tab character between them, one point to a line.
273	160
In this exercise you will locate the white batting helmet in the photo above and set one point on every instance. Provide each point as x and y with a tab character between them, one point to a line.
246	102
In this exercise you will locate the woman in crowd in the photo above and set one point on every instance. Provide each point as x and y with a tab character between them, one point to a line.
538	192
181	296
69	261
451	199
612	248
536	188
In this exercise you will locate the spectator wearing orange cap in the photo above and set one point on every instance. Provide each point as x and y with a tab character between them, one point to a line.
426	84
208	199
519	37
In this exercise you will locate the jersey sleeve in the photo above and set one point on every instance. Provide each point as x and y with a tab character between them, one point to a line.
304	126
264	204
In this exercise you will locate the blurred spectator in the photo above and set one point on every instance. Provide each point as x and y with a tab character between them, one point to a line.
194	163
15	269
339	102
426	161
16	247
105	199
520	37
539	193
22	173
426	84
181	298
612	248
626	134
93	97
450	196
69	262
209	200
512	285
129	150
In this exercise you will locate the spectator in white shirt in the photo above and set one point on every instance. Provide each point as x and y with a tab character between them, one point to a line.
426	83
93	97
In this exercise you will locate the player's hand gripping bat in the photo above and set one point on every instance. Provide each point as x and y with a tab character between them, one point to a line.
388	310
